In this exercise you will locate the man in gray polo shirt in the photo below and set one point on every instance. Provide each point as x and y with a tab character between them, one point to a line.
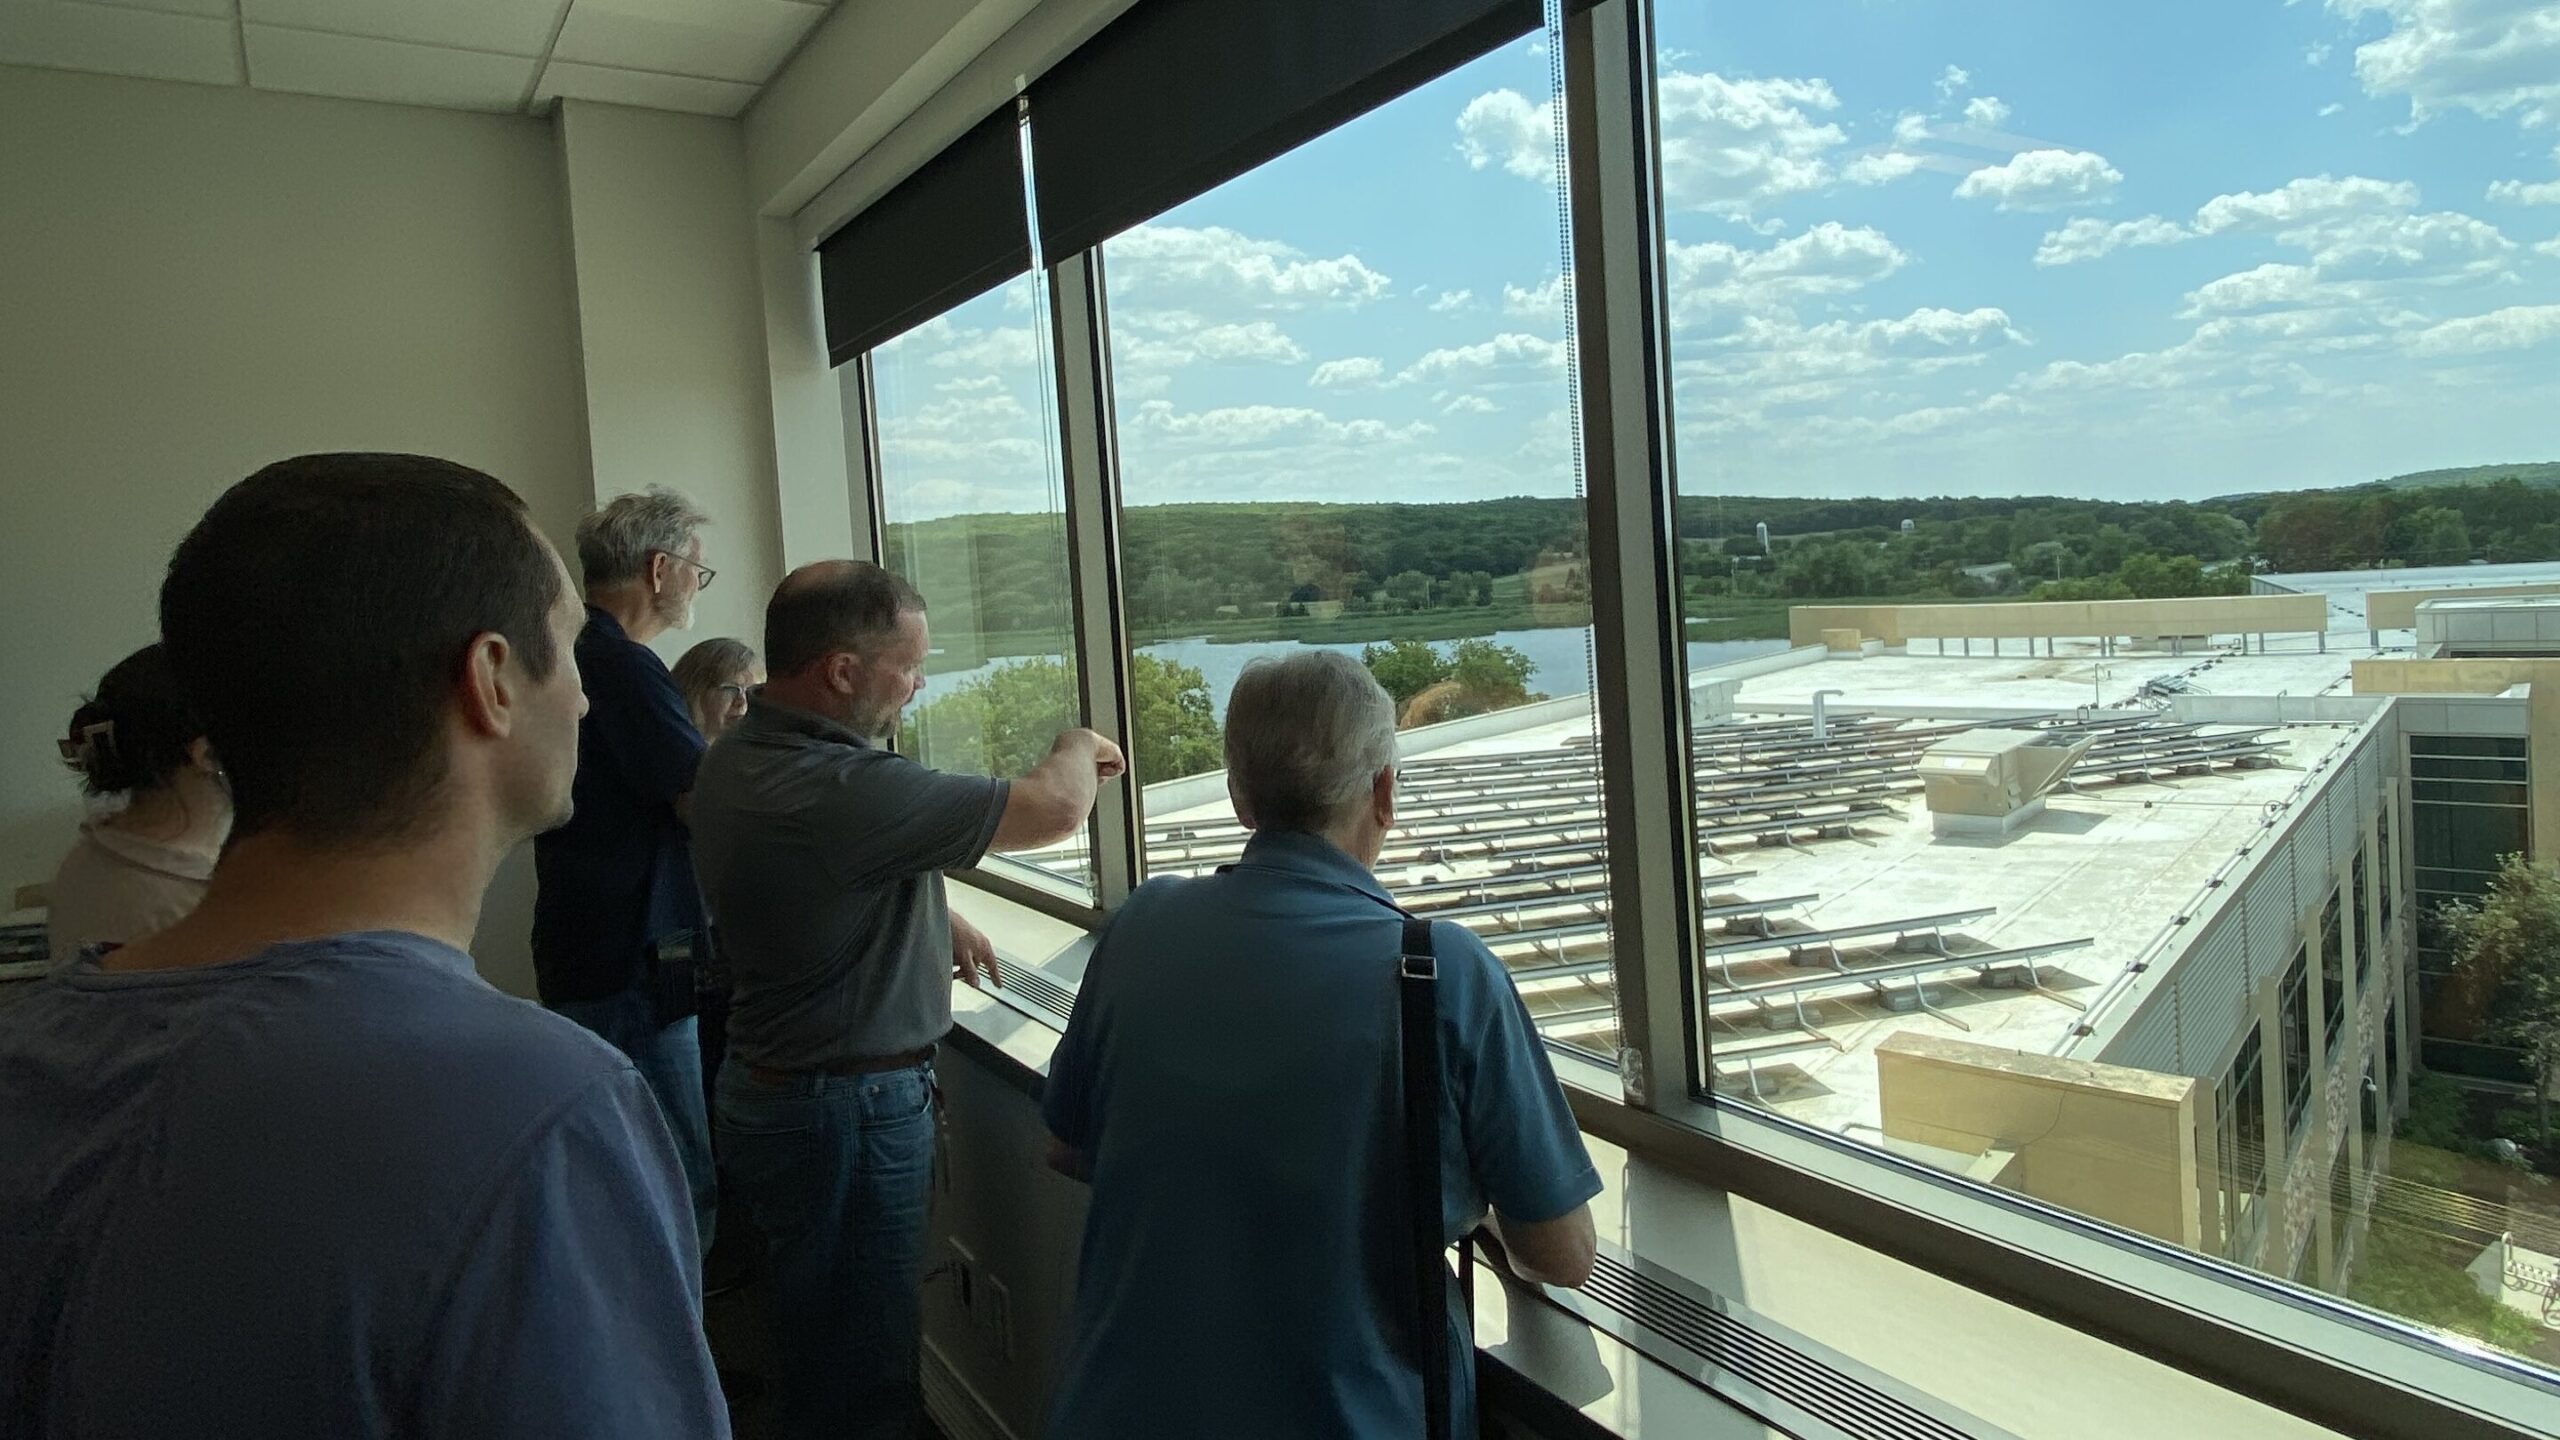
821	854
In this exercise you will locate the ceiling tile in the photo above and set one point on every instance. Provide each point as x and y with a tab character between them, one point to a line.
724	39
361	69
119	41
567	80
506	27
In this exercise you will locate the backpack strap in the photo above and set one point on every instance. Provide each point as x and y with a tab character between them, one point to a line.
1418	1000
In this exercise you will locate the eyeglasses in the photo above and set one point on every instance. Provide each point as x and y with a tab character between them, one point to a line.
707	572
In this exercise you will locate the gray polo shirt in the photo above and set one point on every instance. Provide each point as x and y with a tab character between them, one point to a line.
821	858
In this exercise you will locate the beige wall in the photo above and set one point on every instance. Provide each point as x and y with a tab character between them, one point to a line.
2490	676
2107	1141
2200	615
2398	609
194	281
671	331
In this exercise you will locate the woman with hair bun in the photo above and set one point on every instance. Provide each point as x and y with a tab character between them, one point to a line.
159	811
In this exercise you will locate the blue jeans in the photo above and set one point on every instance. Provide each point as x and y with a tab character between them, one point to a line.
837	1170
669	1059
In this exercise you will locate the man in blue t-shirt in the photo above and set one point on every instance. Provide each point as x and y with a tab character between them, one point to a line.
1230	1087
617	917
289	1167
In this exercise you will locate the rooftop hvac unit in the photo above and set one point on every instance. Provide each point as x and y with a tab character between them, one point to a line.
1992	781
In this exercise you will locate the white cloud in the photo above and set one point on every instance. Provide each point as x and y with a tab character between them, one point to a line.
1881	166
2332	108
2306	201
2549	247
1544	300
1987	111
2269	284
1502	128
2042	180
1910	128
2516	327
2443	244
1715	283
1182	263
2087	238
1507	351
1356	370
1469	404
1006	347
1251	425
2490	57
2525	192
2318	54
1951	80
1448	300
1170	339
1930	332
1728	145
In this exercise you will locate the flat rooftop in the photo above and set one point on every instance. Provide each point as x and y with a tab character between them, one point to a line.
2345	588
1821	863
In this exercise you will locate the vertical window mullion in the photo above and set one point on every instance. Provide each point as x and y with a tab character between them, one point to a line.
862	457
1089	456
1613	180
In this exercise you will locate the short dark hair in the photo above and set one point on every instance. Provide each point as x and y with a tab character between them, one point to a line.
843	605
318	616
133	734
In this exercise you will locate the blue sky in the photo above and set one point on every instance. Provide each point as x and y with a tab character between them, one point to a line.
1918	247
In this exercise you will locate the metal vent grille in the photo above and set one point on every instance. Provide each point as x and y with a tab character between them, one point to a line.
1029	987
1787	1381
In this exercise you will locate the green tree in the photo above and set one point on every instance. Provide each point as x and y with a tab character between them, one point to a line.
2432	535
1490	676
1405	668
1410	588
1003	722
2507	947
1178	732
2107	588
998	724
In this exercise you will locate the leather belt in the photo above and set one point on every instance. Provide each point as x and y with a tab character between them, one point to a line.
767	1075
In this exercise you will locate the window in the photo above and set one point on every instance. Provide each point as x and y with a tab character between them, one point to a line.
973	516
2368	943
2241	1127
2468	809
2333	972
1968	344
1345	419
2293	1023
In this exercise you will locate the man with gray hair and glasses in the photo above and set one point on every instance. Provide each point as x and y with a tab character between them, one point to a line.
617	916
822	852
1230	1086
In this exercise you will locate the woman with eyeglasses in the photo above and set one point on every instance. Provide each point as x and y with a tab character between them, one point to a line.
159	811
715	677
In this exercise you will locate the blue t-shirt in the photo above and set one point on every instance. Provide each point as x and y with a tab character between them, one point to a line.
618	877
1231	1072
341	1187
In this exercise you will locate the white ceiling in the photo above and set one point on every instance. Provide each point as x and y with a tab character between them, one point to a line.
704	56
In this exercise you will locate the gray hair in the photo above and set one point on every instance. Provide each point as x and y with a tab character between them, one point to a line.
1306	737
614	543
712	663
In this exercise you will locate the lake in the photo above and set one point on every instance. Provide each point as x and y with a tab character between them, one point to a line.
1559	661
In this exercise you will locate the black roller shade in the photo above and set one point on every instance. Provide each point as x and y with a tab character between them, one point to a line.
1178	96
950	232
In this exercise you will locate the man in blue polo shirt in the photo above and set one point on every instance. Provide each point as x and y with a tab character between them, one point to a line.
289	1168
617	914
1229	1085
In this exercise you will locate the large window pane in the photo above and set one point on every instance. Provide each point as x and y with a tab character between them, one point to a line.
1344	416
973	516
2037	413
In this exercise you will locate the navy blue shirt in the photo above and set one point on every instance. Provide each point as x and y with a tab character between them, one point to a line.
339	1187
619	876
1231	1072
